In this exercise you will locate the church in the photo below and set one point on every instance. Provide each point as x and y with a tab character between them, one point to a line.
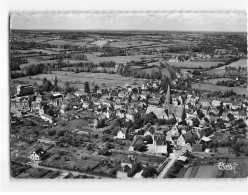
168	110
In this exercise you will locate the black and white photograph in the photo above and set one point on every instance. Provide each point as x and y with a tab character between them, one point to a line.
121	95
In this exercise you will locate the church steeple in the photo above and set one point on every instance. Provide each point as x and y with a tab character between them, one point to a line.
167	99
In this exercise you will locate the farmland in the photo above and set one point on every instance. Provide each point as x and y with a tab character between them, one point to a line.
118	59
207	172
210	87
214	81
77	79
221	70
124	44
193	64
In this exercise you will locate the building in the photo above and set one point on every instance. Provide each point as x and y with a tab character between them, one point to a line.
122	134
25	90
37	155
46	117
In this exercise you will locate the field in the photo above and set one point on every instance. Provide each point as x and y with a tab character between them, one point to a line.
99	43
210	87
193	64
117	59
214	81
121	44
77	79
221	70
207	172
59	42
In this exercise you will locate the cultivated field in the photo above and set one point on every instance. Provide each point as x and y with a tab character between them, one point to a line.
214	81
77	79
59	42
207	172
221	70
210	87
117	59
124	44
193	64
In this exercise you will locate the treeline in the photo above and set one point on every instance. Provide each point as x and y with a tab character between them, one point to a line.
129	71
30	71
230	83
15	63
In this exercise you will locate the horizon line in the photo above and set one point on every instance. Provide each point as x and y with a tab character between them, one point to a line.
147	30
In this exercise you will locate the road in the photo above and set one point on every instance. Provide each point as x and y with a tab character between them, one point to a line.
166	168
74	173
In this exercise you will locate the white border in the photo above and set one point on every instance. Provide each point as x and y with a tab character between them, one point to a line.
102	185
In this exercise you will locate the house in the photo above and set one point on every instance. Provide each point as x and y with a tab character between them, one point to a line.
130	115
46	140
86	105
122	134
121	113
56	99
216	103
154	101
205	102
158	111
48	118
235	105
37	155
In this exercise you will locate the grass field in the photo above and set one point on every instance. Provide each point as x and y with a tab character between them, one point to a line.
59	42
214	81
77	79
117	59
124	44
210	87
99	43
221	70
207	172
193	64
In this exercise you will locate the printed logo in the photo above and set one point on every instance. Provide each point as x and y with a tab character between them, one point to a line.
223	166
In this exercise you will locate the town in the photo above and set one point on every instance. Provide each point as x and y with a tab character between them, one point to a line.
126	105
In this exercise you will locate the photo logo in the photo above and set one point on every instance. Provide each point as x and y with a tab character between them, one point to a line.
224	166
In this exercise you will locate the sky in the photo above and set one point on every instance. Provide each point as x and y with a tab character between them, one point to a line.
228	21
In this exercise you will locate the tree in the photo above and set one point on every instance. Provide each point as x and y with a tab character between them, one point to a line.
47	86
96	87
55	82
149	172
149	118
67	87
101	123
148	138
89	147
138	121
44	80
230	117
86	87
135	168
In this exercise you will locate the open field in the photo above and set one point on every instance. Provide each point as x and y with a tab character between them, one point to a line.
123	44
214	81
100	43
59	42
207	172
193	64
117	59
77	79
221	70
210	87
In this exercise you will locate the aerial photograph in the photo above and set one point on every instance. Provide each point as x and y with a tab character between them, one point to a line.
128	95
